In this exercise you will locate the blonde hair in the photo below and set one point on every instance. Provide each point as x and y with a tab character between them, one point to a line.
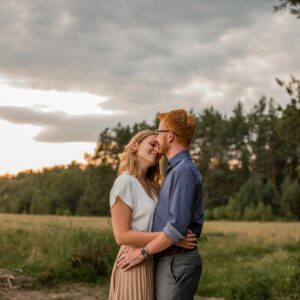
129	162
182	123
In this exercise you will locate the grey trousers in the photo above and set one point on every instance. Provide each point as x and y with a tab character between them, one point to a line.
177	276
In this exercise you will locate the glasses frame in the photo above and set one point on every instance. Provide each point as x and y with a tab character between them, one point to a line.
156	132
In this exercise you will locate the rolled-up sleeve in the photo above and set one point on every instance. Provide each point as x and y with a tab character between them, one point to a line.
181	204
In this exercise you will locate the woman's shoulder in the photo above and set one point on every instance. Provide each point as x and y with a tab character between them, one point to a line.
125	177
123	188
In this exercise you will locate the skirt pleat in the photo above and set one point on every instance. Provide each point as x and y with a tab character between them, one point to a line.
134	284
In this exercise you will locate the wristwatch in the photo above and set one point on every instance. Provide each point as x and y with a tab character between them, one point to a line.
144	252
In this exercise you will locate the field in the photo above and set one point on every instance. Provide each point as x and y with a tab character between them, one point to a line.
241	260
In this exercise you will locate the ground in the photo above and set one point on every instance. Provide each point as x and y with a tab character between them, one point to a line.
64	292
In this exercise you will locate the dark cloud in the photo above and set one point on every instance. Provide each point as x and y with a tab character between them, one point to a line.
58	127
138	52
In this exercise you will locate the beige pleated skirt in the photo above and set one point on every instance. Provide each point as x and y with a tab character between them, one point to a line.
134	284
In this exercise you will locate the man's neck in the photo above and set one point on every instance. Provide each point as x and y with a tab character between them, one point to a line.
174	151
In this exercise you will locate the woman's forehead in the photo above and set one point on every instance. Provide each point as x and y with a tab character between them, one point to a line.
150	138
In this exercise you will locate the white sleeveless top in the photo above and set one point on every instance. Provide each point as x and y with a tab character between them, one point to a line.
130	190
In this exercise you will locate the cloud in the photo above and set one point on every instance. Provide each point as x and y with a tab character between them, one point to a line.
146	56
59	127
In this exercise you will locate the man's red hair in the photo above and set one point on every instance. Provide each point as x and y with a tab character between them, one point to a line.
181	123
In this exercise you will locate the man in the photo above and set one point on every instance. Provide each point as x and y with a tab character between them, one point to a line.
179	209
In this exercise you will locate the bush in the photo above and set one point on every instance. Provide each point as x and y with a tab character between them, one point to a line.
271	197
291	199
218	213
249	193
232	210
264	212
249	213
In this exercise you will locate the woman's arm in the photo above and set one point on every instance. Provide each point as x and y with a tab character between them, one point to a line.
121	216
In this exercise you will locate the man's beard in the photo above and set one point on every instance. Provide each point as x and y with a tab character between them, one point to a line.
163	150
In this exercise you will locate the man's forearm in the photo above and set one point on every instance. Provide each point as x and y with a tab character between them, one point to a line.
160	243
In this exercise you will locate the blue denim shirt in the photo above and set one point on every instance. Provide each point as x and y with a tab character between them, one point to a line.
180	201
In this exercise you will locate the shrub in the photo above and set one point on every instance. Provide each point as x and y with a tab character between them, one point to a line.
290	199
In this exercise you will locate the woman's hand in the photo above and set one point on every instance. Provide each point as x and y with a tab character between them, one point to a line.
189	242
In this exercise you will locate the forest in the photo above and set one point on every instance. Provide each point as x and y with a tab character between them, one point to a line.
249	161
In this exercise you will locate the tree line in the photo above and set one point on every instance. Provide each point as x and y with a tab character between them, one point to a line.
249	161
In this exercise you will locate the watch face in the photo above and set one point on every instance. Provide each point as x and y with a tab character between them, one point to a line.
144	252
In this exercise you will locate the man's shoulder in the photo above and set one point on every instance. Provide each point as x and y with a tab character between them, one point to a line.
188	168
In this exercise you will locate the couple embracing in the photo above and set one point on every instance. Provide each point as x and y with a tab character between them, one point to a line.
157	218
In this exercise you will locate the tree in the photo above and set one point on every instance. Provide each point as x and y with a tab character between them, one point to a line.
290	195
249	194
95	200
210	152
238	132
292	5
270	197
264	142
288	127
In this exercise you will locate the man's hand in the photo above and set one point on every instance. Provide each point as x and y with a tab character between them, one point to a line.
129	258
189	242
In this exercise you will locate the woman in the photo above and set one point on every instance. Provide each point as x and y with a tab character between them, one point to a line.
133	199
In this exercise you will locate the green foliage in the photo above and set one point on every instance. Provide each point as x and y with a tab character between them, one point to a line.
291	199
270	197
59	253
248	270
292	5
250	193
249	213
95	199
232	210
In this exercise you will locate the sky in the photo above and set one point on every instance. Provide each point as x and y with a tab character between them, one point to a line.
68	69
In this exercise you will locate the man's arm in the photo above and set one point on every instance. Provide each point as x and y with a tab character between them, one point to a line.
181	205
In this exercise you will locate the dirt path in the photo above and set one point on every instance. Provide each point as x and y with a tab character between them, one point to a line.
64	292
15	285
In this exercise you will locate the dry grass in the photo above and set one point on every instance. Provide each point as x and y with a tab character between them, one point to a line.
266	232
15	221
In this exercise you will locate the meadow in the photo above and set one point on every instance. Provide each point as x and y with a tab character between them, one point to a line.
241	260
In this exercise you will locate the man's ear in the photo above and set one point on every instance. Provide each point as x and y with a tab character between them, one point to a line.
170	136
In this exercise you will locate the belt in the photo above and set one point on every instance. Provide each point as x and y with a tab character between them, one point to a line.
173	250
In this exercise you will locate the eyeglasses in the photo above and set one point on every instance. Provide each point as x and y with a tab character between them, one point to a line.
156	132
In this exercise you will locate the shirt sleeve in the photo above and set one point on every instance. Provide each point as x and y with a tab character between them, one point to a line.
181	204
122	187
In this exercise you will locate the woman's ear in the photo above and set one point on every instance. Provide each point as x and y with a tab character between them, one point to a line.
133	147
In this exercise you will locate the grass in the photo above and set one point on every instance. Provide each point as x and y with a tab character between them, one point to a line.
17	221
241	260
249	270
59	253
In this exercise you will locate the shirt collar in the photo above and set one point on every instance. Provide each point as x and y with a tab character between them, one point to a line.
178	157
